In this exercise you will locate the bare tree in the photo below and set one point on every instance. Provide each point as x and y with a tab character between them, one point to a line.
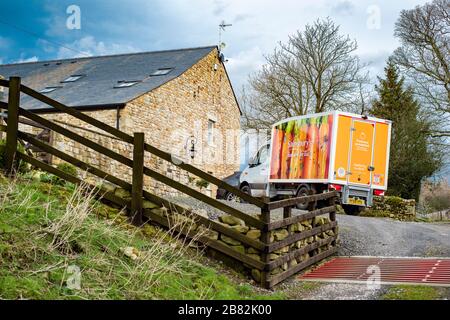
361	101
278	91
315	71
425	56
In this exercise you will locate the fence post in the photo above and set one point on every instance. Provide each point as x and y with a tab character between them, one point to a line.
265	239
332	202
138	179
12	125
287	213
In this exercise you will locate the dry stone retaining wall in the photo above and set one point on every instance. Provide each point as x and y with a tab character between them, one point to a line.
239	226
393	207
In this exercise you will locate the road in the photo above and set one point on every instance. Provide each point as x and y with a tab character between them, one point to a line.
387	237
363	236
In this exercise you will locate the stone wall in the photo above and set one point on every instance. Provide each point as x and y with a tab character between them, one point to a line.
169	116
181	109
83	153
392	207
275	236
443	215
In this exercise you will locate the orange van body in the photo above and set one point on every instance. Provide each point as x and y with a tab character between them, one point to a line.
335	148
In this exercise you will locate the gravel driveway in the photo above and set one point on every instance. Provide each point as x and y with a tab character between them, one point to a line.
386	237
364	236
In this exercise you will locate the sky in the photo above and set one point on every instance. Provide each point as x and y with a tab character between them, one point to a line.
33	30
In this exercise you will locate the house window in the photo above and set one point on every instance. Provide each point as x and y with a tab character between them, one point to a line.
73	78
211	128
48	89
125	84
161	72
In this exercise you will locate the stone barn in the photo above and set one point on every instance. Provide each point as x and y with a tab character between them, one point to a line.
182	100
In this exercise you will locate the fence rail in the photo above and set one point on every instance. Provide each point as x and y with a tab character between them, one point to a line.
265	247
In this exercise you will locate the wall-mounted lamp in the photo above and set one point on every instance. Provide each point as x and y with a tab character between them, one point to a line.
190	146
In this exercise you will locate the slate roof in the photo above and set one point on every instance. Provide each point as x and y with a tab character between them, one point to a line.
100	75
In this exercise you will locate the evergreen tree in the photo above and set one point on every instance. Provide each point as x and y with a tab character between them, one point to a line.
412	157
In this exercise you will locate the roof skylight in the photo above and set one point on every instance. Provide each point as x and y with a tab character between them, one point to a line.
49	89
125	84
161	72
73	78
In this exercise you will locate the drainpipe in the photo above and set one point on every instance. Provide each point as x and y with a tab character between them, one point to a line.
118	118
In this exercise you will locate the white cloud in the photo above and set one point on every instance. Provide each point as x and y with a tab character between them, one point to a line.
23	59
375	62
258	26
344	8
88	46
220	6
241	17
242	64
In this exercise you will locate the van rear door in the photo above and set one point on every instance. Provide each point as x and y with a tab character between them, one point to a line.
361	153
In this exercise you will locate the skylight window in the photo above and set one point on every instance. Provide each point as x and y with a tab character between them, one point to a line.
161	72
73	78
125	84
48	89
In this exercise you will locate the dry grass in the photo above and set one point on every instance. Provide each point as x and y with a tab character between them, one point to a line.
163	255
46	229
78	209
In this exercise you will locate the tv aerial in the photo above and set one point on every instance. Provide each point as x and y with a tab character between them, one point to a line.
222	27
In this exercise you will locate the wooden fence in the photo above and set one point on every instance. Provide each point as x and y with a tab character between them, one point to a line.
277	243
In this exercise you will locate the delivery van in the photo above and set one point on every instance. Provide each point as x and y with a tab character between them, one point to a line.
316	153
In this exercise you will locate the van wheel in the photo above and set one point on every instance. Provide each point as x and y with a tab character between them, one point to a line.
352	210
246	189
232	197
303	192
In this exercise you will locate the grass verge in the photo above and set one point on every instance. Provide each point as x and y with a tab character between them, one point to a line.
411	292
57	242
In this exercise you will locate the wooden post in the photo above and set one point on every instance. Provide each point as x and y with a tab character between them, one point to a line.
265	239
311	207
138	179
332	202
12	125
287	213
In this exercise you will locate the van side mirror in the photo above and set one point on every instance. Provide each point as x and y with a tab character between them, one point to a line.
252	162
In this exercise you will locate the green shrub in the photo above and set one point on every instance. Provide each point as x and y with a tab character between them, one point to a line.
22	166
64	167
47	178
67	168
202	184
